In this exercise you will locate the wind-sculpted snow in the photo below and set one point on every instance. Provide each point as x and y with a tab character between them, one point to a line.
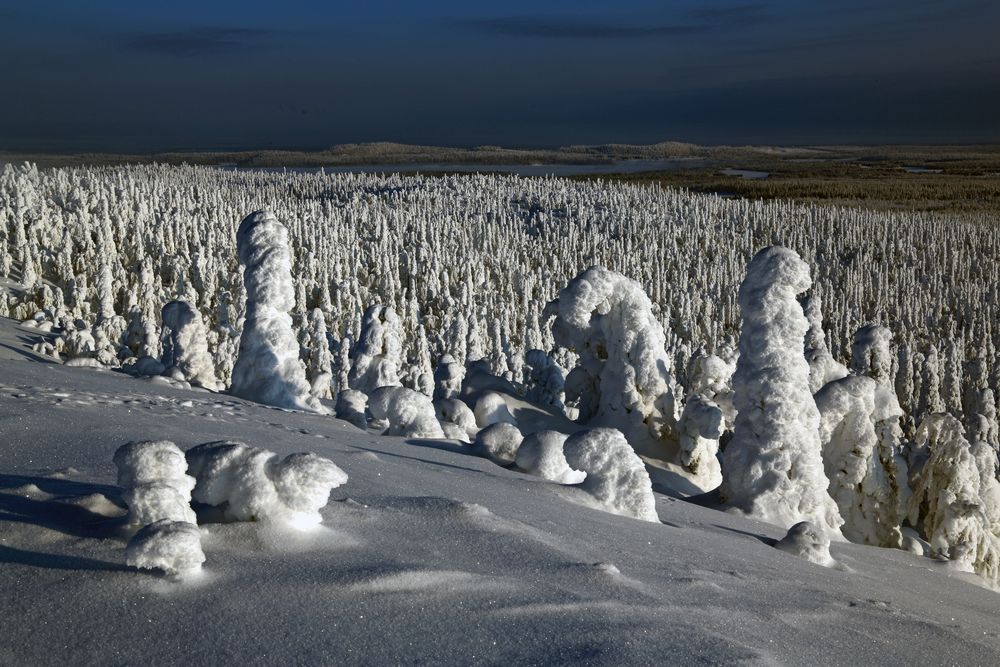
615	476
171	546
267	368
541	453
185	349
499	441
773	467
249	483
155	483
404	412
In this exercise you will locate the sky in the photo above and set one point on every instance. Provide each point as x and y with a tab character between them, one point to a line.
131	76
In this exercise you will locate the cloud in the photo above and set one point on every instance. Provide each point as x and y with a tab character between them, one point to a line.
199	41
526	26
733	14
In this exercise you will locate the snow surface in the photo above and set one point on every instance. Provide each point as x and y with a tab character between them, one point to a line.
427	554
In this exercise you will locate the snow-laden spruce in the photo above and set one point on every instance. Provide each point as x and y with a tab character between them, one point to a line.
155	483
948	504
267	368
173	547
404	412
249	483
185	349
622	378
378	351
773	467
541	453
615	475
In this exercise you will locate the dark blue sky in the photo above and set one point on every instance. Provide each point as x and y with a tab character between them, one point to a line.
143	76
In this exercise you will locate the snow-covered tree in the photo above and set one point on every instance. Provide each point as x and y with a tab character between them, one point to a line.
773	466
267	368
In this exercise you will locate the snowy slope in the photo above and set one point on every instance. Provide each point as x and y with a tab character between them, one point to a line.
428	554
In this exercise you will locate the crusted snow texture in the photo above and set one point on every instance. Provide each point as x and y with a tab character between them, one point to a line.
250	483
407	412
171	546
267	367
185	346
616	476
773	467
351	406
823	367
155	485
378	353
541	453
454	412
622	378
865	490
448	378
499	441
949	506
807	541
492	409
699	429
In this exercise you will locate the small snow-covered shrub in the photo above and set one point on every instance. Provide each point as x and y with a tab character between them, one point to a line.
452	411
156	486
378	352
171	546
407	412
499	442
541	453
267	367
351	406
773	467
250	483
616	476
809	542
184	346
448	378
492	409
699	430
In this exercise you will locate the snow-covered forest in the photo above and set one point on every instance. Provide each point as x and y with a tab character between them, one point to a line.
829	370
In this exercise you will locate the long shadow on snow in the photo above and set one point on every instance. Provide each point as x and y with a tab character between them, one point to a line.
56	514
423	443
55	561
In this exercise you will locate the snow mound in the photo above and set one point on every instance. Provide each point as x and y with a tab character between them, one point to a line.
809	542
185	347
616	476
249	483
492	409
454	415
408	413
171	546
499	442
542	454
156	486
351	406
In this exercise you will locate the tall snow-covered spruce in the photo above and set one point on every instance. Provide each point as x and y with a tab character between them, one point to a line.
773	466
267	368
